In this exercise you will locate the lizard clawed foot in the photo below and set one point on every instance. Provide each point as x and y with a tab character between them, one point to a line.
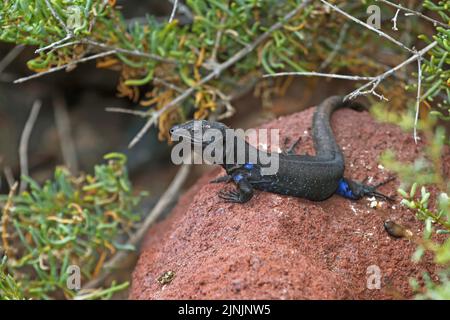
371	190
358	190
234	196
230	196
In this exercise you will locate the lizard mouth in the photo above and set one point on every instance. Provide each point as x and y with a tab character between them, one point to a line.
177	133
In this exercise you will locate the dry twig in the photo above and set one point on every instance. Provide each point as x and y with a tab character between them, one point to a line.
377	80
24	139
319	74
6	61
419	84
417	13
174	10
70	64
62	120
368	26
9	176
138	113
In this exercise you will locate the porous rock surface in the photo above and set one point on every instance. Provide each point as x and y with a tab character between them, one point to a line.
279	247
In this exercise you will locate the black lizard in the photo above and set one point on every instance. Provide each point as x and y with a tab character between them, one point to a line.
312	177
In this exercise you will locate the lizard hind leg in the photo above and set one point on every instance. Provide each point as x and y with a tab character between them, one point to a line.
356	190
358	106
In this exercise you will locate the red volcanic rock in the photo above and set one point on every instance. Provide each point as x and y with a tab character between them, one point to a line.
279	247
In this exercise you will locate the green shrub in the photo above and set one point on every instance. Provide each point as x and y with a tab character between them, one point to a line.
69	221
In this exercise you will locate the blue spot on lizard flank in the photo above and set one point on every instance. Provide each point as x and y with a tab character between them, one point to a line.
248	166
344	190
238	178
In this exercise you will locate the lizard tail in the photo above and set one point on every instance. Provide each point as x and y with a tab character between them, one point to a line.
323	137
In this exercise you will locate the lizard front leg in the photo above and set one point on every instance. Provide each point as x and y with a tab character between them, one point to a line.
291	149
244	191
226	178
356	190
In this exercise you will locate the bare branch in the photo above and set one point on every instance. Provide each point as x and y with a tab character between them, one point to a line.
105	46
419	84
226	101
93	21
377	80
337	47
136	53
142	114
5	217
63	126
394	20
373	85
23	146
212	62
9	176
57	17
153	120
62	45
72	63
318	74
5	62
56	44
217	71
168	197
367	26
417	13
183	9
174	10
167	84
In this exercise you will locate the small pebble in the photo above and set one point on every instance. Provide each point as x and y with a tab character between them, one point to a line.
397	231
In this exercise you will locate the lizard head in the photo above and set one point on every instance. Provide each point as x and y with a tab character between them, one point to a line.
200	132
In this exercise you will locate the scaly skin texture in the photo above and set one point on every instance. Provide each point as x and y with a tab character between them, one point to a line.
314	178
